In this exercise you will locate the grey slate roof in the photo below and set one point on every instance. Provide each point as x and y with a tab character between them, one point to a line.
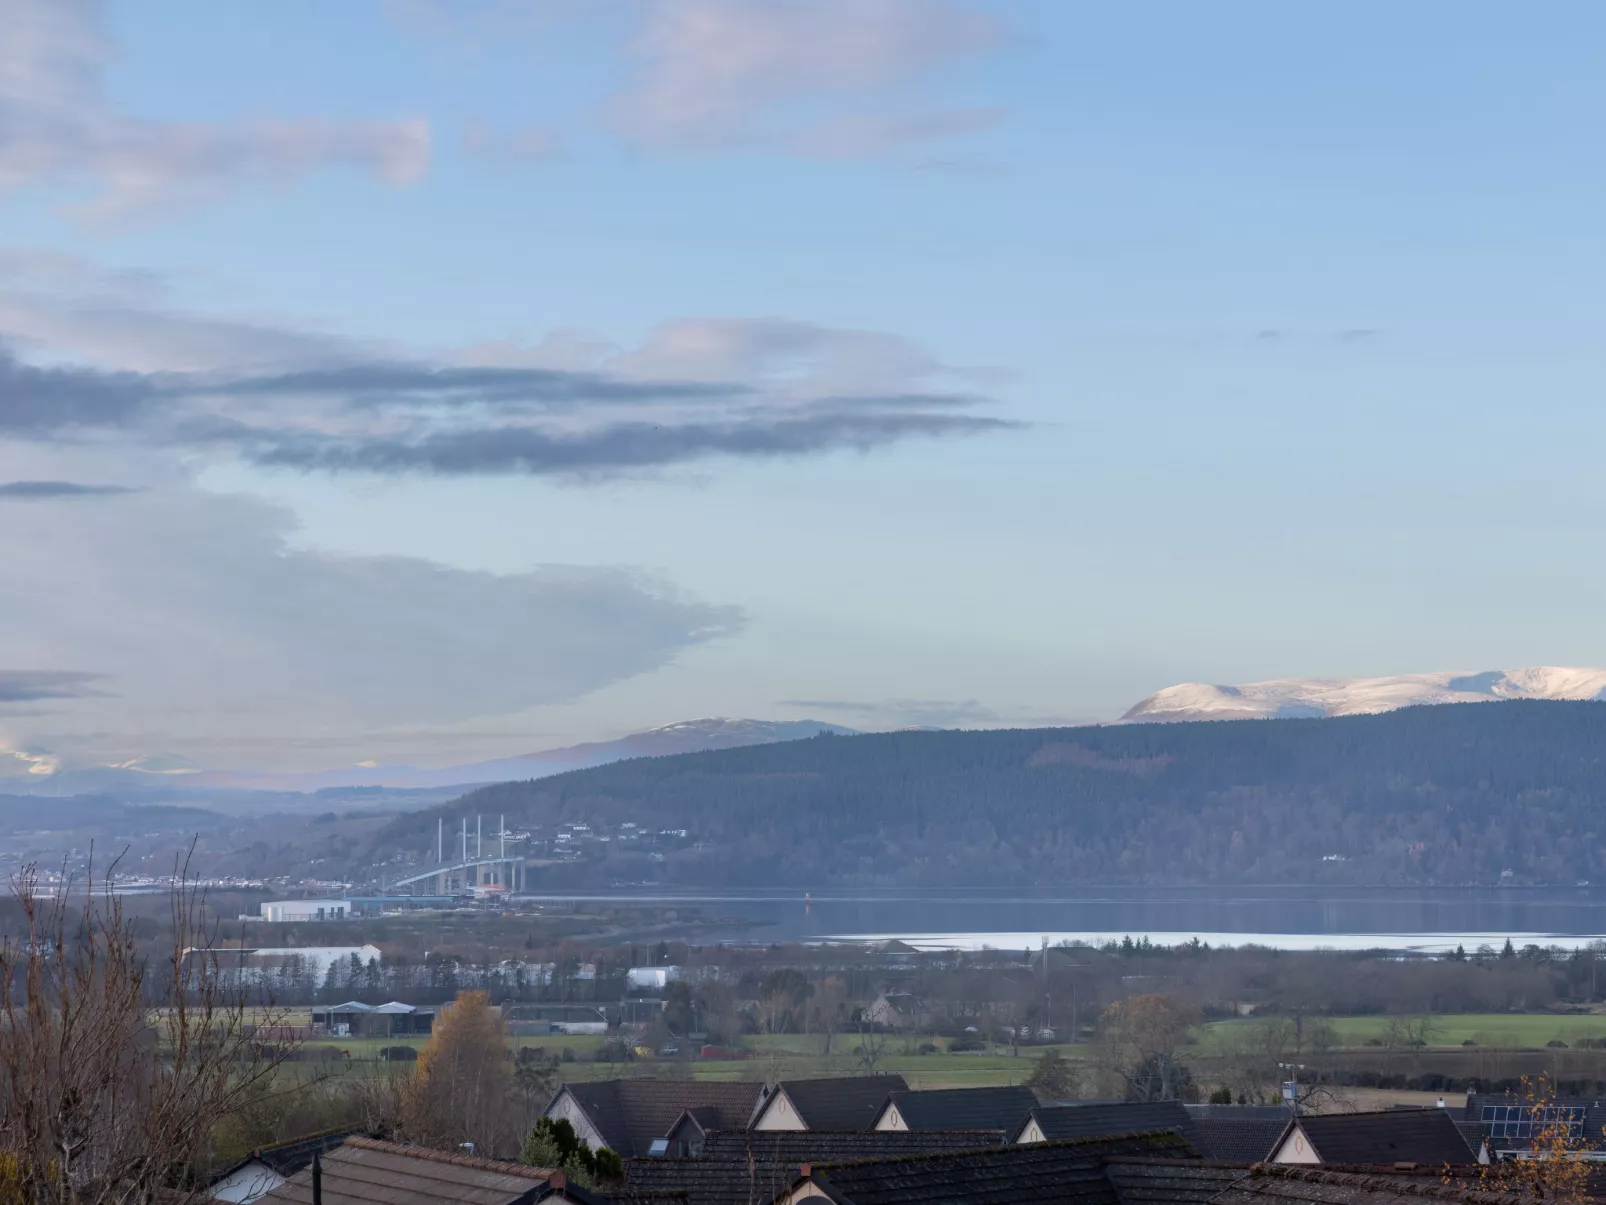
630	1113
287	1158
1395	1135
1069	1172
846	1103
1144	1180
970	1109
1101	1119
1246	1141
1293	1184
741	1167
367	1172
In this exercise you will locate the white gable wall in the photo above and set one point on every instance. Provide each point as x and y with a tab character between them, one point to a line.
890	1119
1031	1132
1296	1148
779	1114
245	1184
566	1108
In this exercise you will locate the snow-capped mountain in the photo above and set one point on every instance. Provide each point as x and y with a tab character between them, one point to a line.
1286	698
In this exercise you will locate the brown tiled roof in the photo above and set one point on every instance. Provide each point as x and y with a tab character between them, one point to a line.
1279	1183
740	1167
1069	1172
969	1108
1146	1180
1391	1136
630	1113
365	1171
847	1103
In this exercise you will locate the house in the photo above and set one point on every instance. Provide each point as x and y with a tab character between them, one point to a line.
1421	1136
1098	1119
739	1166
265	1169
1240	1133
846	1103
357	1020
1008	1175
365	1171
898	1011
961	1109
628	1115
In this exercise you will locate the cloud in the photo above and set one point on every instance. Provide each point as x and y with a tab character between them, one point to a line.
694	389
794	75
618	448
921	713
32	685
230	638
59	489
57	127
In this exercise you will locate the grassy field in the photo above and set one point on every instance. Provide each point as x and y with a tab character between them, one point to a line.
1506	1031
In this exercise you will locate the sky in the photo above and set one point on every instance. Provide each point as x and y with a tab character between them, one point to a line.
426	381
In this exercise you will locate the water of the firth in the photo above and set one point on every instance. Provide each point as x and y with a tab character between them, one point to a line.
1423	918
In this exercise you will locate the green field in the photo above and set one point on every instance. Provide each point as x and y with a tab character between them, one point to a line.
1507	1031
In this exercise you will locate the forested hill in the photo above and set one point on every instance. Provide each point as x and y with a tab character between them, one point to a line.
1448	794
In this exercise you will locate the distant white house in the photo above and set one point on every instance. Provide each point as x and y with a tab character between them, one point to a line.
285	911
652	977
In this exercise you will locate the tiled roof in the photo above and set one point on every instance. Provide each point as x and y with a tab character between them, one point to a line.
1245	1141
287	1158
1392	1136
1142	1180
630	1113
1295	1184
1238	1112
742	1166
1592	1130
367	1172
970	1109
841	1146
847	1103
1103	1120
1068	1172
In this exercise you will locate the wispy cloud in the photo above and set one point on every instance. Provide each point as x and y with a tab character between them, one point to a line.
33	685
57	127
804	76
28	490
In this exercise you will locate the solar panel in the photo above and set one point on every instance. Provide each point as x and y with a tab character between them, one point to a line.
1523	1121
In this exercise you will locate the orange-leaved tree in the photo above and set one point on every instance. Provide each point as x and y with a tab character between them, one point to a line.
462	1089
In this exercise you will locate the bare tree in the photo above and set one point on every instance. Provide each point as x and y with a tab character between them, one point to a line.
114	1072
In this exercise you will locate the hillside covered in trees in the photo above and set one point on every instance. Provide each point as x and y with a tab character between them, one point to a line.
1433	795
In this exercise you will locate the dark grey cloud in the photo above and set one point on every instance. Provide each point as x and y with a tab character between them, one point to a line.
400	383
59	489
35	400
32	685
619	447
395	417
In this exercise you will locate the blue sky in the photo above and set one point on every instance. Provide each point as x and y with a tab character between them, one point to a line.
1110	346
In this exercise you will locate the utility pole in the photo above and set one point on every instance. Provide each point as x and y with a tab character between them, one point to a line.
1291	1085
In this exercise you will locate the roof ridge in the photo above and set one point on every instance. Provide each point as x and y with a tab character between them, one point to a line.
1170	1138
451	1157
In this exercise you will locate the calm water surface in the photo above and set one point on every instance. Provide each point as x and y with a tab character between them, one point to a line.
1289	917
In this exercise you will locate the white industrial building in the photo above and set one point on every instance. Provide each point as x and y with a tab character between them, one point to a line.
282	911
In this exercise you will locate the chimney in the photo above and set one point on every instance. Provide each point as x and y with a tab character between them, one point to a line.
805	1170
558	1180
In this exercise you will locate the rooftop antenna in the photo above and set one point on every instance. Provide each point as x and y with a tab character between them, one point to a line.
317	1179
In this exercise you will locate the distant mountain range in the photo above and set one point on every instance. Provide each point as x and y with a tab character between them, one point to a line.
688	736
1299	698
